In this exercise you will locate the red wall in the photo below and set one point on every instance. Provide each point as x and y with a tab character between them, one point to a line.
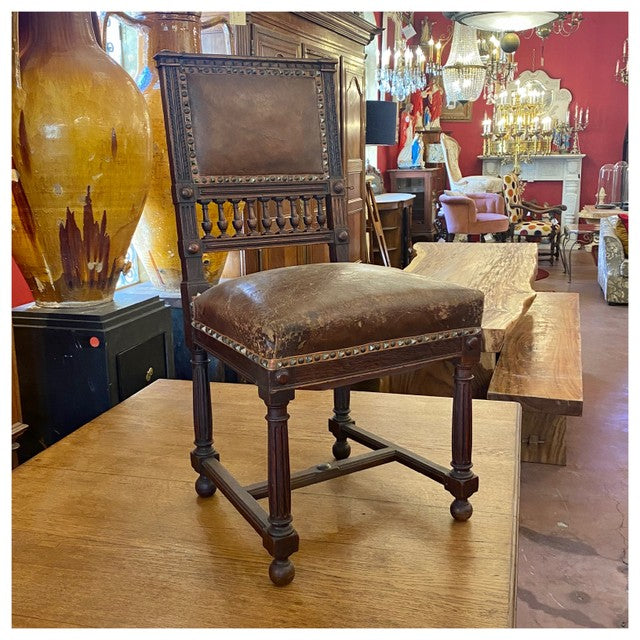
585	62
20	293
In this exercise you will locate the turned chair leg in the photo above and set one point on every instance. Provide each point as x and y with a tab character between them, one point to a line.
461	433
202	419
341	416
281	539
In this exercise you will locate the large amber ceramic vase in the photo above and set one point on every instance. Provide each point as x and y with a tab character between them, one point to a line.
81	148
156	237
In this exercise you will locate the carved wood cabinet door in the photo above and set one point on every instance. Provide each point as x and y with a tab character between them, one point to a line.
271	44
289	35
353	133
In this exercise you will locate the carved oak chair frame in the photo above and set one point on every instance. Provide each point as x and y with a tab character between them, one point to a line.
306	201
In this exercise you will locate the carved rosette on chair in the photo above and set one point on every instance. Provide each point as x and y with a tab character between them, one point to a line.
317	325
156	238
81	150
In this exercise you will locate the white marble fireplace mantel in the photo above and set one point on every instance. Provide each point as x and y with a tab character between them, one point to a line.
565	168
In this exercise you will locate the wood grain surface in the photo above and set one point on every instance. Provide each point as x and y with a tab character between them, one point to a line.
543	438
108	531
541	363
505	274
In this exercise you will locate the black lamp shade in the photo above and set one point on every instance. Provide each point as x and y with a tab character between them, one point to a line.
382	122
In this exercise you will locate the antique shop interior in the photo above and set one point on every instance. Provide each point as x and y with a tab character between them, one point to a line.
417	226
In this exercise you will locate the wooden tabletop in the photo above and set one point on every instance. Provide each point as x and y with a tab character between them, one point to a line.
108	531
504	272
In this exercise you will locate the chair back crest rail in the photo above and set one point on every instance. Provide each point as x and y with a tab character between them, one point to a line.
227	120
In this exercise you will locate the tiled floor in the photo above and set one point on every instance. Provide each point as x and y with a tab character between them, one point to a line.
572	569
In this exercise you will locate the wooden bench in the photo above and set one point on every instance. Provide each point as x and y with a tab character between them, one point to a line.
540	366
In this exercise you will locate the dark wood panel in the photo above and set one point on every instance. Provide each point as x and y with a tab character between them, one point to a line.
337	36
272	44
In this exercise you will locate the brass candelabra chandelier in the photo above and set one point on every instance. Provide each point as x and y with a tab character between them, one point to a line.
519	128
500	65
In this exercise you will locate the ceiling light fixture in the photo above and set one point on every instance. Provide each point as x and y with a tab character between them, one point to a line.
504	20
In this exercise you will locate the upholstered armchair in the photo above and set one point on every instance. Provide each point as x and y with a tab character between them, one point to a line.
466	184
530	221
474	214
613	263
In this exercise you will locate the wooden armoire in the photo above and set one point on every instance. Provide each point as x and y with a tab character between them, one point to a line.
341	36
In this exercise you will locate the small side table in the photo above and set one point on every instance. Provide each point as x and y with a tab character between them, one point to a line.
573	235
396	210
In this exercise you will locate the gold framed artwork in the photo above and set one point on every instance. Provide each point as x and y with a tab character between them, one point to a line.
459	113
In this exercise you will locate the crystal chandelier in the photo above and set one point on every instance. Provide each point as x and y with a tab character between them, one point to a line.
463	74
405	71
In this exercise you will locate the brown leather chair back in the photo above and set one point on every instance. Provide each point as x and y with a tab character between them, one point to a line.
258	137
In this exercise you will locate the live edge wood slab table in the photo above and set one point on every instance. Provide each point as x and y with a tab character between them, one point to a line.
107	531
505	272
531	341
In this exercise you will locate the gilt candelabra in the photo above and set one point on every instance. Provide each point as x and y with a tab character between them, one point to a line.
580	122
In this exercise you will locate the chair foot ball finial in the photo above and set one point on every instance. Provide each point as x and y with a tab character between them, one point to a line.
281	572
205	487
341	449
461	510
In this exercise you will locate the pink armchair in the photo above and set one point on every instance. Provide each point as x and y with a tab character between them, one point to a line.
475	214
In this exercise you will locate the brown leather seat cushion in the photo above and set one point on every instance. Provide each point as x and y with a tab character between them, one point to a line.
319	307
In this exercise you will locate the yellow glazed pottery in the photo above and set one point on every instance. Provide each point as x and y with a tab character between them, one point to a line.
156	237
81	148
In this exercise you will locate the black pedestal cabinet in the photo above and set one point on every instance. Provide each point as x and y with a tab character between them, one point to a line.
75	363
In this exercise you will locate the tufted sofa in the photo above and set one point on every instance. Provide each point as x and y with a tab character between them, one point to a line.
613	266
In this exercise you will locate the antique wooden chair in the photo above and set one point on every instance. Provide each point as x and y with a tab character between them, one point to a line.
262	134
530	221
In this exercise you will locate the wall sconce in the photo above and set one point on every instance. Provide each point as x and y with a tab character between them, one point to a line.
622	71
